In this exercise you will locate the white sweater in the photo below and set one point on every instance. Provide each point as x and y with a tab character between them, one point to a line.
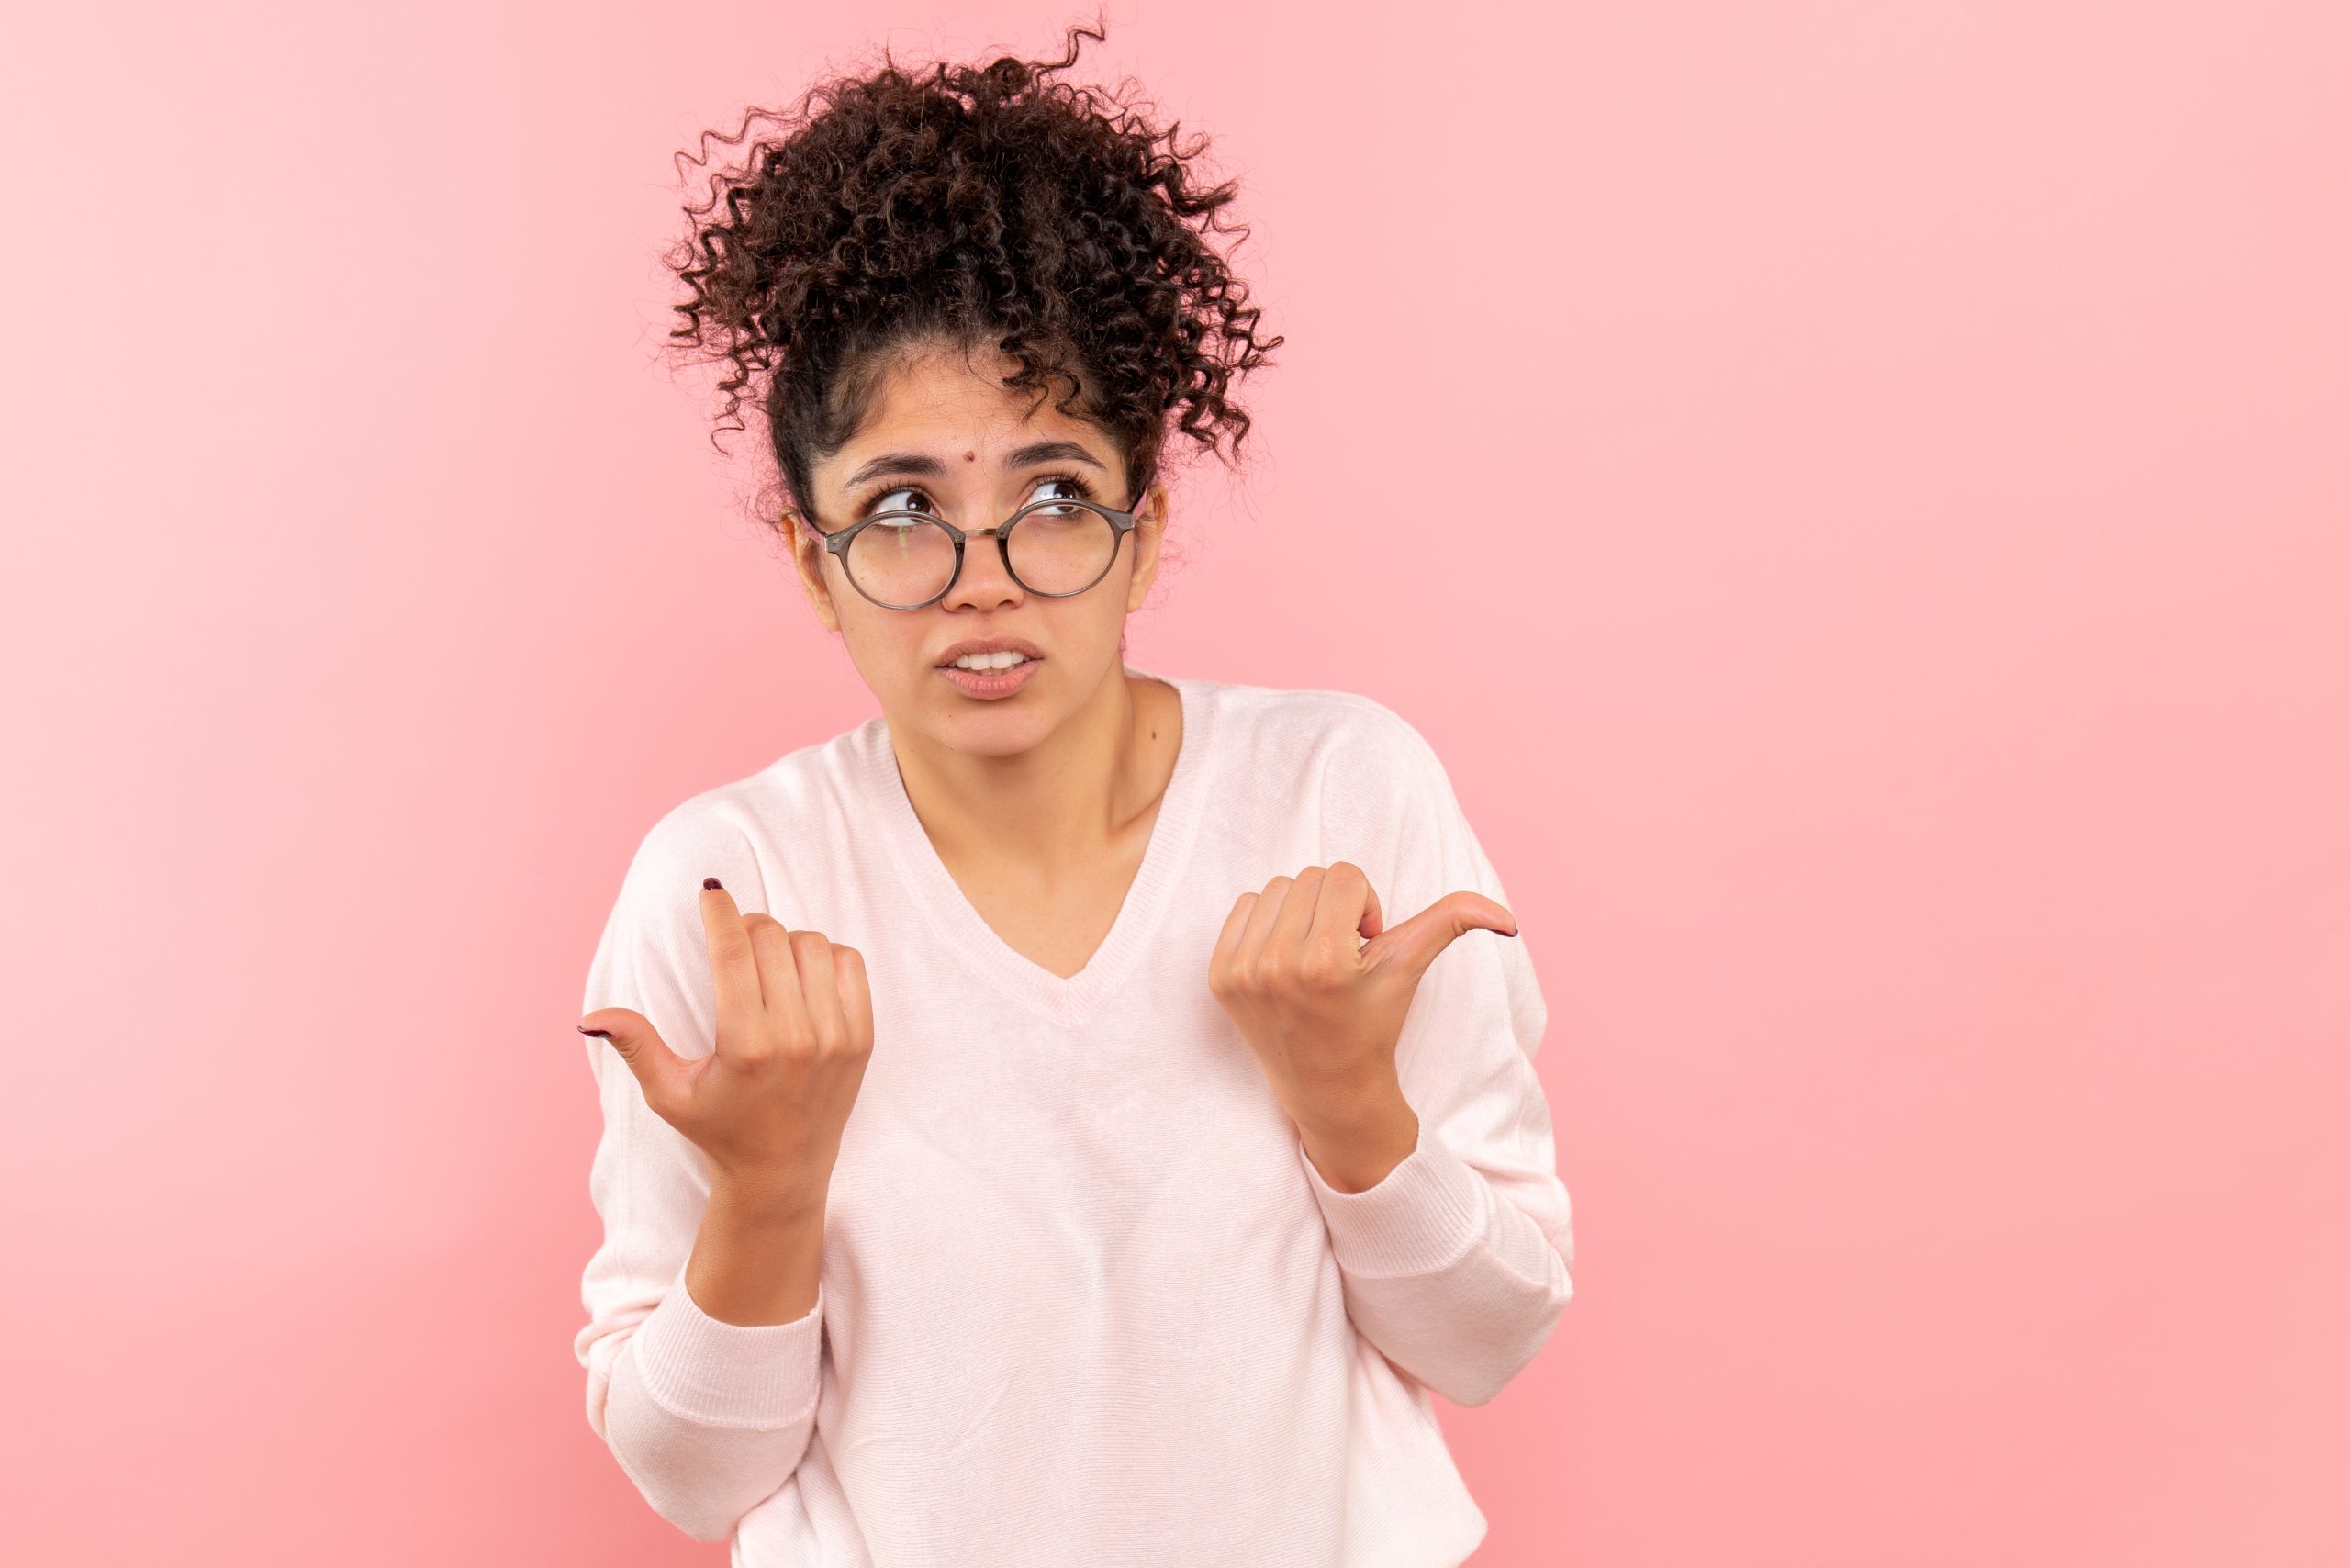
1085	1300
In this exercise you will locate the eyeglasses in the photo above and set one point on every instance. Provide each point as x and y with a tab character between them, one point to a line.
909	560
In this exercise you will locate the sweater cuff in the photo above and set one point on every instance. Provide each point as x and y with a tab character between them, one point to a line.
762	1375
1425	1215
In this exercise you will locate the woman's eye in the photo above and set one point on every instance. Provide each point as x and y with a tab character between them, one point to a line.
1070	489
906	498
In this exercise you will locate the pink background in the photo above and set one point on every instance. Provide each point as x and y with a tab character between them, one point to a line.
1909	704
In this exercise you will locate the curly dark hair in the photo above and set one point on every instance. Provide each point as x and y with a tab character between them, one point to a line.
973	205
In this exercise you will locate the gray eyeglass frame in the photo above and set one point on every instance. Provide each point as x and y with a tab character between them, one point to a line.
1122	522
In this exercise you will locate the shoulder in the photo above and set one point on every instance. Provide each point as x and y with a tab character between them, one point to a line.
1372	783
1314	723
761	835
1351	755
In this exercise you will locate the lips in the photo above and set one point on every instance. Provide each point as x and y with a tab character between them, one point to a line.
989	646
991	686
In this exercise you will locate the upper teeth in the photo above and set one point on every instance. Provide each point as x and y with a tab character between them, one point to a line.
1003	660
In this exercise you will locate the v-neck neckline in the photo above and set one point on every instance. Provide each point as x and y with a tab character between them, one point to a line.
1066	1000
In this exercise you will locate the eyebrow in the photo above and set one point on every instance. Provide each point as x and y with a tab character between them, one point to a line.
928	467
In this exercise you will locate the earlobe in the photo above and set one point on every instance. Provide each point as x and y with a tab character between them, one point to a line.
1152	517
819	597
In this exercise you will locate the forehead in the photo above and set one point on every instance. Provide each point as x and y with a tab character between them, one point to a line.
937	400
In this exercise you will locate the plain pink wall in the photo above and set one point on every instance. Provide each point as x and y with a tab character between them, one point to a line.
1907	694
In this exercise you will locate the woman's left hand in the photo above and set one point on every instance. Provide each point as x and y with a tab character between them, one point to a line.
1319	986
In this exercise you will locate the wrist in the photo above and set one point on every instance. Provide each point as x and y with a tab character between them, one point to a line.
1355	1112
766	1199
1356	1153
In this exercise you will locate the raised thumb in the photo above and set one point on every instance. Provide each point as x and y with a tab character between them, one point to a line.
1412	946
659	1068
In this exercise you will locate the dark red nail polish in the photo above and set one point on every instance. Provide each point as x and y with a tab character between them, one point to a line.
709	881
599	1033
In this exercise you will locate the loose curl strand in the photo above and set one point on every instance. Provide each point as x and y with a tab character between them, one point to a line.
975	204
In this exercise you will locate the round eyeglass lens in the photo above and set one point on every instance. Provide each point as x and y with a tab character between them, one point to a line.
1062	547
907	559
903	559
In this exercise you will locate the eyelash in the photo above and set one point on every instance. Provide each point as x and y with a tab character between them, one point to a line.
1084	490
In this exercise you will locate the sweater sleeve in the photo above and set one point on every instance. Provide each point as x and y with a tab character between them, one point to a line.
1456	1265
705	1418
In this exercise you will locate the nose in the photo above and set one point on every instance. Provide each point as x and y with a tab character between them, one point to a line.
984	579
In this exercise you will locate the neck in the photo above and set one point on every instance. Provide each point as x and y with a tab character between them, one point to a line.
1051	809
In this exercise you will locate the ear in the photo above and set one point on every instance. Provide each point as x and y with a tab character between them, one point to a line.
1150	528
808	559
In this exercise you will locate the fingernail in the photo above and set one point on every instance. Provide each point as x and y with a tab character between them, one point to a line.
709	881
1511	931
599	1033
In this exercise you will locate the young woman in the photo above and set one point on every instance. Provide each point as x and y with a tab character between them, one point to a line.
1035	1134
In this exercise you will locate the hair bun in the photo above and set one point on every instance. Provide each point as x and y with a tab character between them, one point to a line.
987	204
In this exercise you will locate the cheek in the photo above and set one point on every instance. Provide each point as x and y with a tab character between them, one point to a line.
889	644
887	647
1094	620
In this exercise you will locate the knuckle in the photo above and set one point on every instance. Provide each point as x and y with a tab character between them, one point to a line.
754	1052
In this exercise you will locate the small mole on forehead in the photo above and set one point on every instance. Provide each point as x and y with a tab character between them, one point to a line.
971	457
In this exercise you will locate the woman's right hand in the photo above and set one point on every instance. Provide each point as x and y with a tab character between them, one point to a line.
795	1029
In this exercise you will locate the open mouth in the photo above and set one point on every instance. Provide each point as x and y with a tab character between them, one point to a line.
990	681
